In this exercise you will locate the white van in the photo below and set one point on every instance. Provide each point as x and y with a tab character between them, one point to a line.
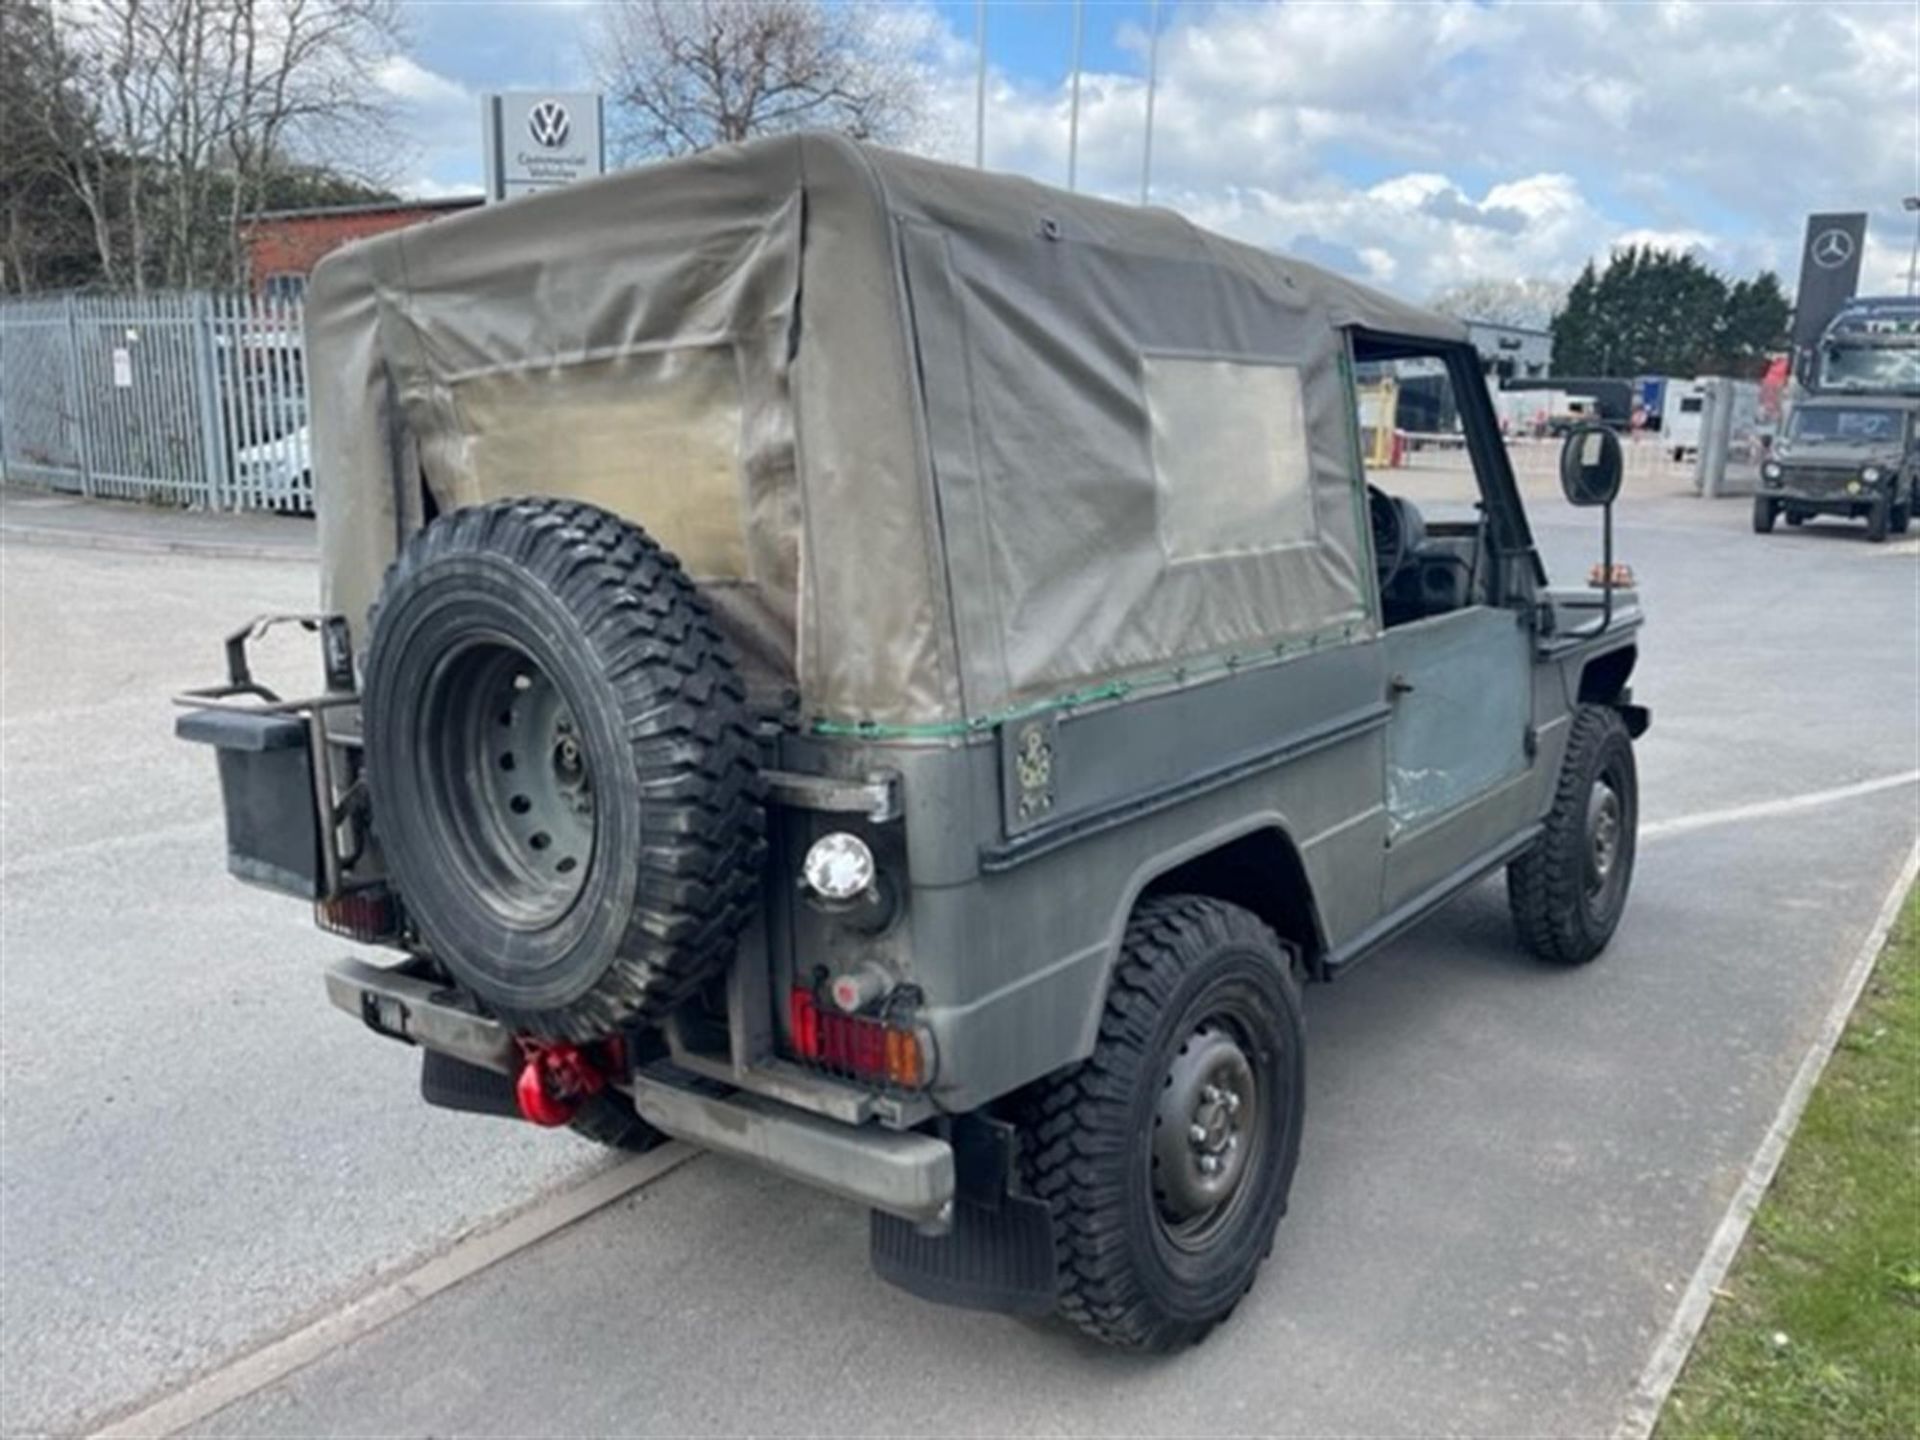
1680	417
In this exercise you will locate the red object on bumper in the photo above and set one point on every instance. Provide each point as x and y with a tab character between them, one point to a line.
553	1082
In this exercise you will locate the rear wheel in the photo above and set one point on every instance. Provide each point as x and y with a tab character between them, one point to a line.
1763	512
1568	891
1166	1157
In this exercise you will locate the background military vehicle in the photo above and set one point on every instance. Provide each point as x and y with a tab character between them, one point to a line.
1854	457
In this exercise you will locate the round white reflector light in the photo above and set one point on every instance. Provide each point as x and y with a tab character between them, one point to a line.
838	866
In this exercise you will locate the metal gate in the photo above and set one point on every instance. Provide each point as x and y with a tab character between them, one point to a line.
193	399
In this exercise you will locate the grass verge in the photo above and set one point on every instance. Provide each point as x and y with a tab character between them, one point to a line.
1816	1330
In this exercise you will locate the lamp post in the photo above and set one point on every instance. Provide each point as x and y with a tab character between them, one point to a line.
1073	111
980	85
1912	203
1153	76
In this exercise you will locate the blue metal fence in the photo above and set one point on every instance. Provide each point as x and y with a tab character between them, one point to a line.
195	399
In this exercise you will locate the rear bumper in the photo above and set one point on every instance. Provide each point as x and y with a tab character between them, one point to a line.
901	1173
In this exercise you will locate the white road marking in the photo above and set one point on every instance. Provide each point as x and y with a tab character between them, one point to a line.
278	1359
1766	809
1676	1341
250	1373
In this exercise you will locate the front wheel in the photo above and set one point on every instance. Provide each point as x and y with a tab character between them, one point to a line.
1568	890
1878	519
1901	517
1166	1157
1763	512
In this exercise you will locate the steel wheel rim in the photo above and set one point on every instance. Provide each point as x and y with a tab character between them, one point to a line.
1208	1135
1608	838
507	767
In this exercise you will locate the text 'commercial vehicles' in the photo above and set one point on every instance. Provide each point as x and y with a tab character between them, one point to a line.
898	674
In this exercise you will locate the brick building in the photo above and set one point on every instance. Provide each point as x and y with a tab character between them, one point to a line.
283	246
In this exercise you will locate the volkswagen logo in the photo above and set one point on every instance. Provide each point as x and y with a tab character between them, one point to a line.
1831	249
549	124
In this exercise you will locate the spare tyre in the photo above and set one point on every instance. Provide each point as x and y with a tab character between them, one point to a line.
560	765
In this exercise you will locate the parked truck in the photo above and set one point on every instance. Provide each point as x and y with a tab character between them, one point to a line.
1872	347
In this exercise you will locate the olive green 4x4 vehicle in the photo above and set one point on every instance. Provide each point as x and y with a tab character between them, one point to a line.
898	674
1856	457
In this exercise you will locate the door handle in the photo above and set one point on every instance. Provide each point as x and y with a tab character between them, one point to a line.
1397	686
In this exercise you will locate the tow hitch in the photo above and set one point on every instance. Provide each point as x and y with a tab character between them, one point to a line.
554	1082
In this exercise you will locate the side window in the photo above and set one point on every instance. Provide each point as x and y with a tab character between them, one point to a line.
1427	485
1231	465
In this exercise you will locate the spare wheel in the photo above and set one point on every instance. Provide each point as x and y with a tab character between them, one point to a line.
561	765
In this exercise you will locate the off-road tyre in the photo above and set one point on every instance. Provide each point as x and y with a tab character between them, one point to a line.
1879	520
1900	517
1764	511
1088	1142
1560	915
559	600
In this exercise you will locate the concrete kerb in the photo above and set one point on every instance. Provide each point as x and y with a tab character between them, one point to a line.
151	545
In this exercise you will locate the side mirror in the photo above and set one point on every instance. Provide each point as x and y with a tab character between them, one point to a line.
1590	465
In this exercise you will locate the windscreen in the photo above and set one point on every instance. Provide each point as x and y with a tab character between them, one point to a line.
1853	425
1875	368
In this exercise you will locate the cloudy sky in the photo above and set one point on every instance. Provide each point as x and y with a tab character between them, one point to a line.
1414	145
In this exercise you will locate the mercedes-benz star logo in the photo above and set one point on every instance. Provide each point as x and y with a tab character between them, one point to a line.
1831	249
549	124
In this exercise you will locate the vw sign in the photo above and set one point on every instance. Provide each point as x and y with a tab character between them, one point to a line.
548	124
537	140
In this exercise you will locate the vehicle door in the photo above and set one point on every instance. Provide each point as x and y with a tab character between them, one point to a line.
1458	641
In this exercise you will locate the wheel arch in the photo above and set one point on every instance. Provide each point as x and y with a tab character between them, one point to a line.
1255	864
1603	681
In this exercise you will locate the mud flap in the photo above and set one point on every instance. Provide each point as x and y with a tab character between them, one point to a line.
455	1085
996	1257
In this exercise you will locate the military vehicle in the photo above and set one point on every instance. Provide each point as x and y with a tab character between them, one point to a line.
1855	458
898	674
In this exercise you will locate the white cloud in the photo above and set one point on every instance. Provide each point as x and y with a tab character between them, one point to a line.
1495	140
405	79
1712	128
440	118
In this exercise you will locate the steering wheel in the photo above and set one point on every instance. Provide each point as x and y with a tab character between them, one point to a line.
1397	531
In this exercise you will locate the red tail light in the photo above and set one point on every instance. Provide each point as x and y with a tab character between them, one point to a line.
369	916
855	1045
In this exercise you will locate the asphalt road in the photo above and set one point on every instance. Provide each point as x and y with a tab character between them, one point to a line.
1508	1172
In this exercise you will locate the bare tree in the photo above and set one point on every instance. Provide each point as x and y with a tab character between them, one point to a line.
682	75
46	130
1528	304
301	72
178	113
